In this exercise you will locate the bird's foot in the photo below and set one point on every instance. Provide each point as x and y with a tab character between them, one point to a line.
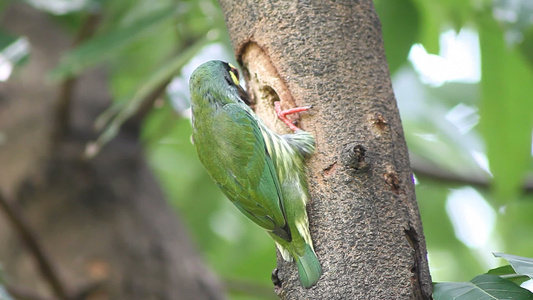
282	114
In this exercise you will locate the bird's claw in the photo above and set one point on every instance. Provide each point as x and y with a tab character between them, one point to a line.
282	114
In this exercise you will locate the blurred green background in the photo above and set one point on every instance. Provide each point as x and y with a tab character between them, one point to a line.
463	76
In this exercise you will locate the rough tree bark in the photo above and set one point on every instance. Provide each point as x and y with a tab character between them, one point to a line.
363	213
100	221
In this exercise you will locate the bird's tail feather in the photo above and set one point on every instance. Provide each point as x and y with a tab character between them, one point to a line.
309	269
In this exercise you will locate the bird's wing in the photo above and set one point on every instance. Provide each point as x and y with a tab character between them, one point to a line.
246	174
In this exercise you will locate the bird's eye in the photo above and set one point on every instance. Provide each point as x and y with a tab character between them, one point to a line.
234	73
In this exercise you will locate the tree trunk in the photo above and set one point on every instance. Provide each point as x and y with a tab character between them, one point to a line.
363	213
102	223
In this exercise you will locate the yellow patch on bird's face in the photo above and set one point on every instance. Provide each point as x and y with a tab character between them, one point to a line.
234	74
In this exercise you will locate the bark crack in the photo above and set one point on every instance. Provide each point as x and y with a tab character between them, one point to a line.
412	237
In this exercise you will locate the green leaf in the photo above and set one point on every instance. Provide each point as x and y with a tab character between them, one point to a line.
6	39
432	20
14	50
458	12
110	44
507	272
482	287
522	265
502	271
506	119
400	24
526	47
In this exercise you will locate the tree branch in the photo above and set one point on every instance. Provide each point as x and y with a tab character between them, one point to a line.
21	293
28	237
425	168
64	100
363	215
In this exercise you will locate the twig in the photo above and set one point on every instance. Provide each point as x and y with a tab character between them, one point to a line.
64	101
148	102
424	168
44	263
124	119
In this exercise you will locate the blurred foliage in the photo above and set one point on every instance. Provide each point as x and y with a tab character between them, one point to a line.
466	137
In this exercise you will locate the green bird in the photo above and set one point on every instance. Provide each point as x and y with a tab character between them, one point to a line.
262	173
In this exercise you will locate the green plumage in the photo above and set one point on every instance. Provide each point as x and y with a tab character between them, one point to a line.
262	173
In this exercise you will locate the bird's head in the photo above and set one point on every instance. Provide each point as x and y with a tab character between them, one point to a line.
218	81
